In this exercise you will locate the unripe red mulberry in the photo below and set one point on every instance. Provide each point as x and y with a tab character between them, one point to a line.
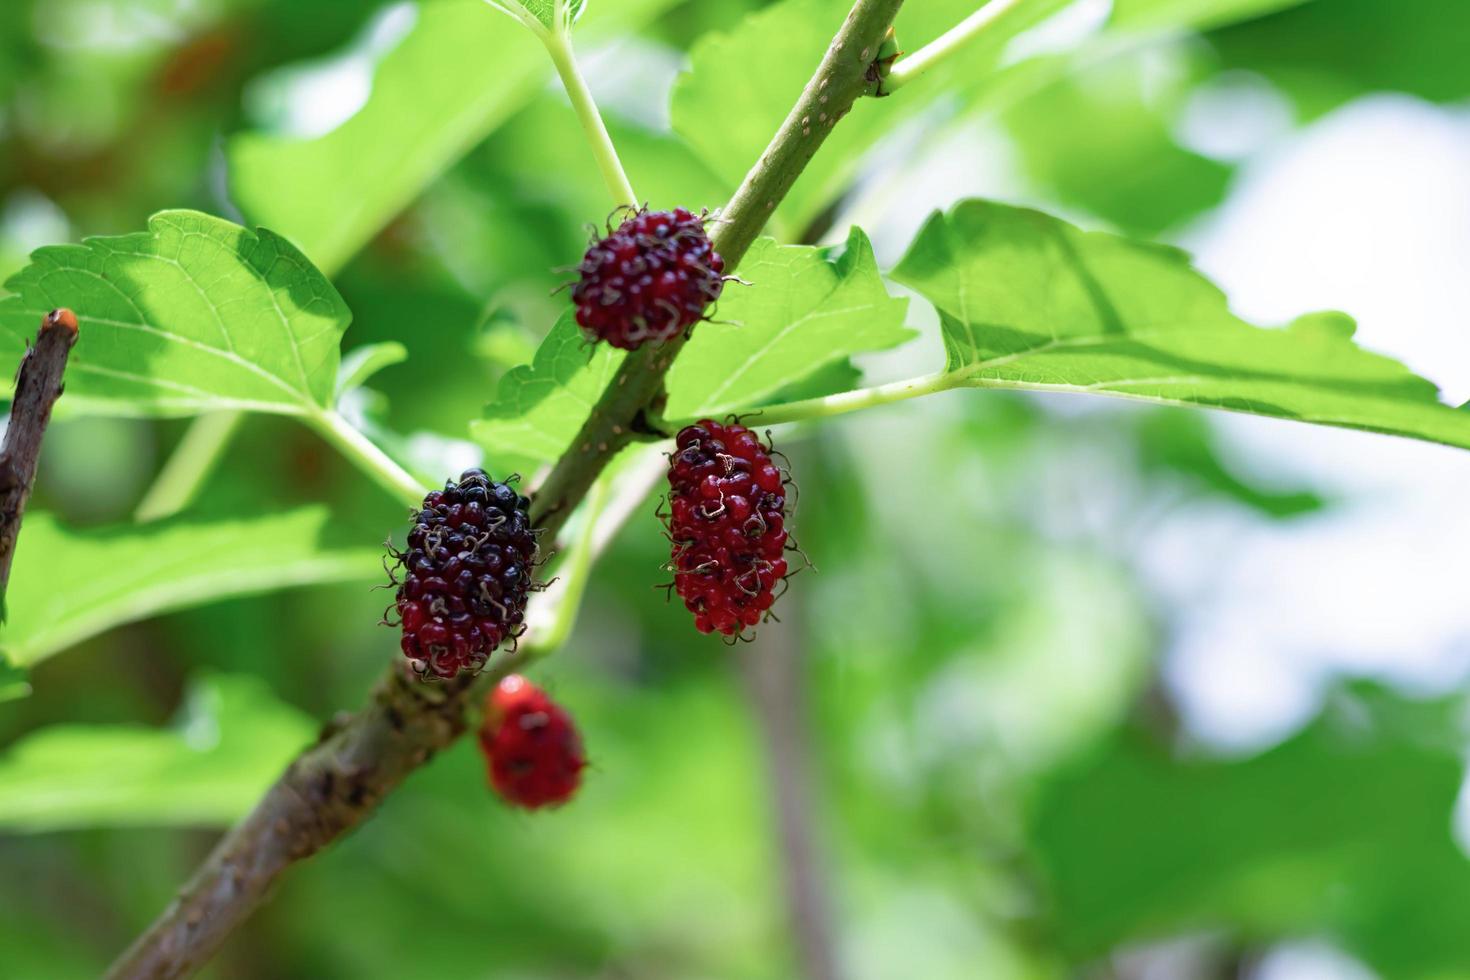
531	745
727	520
467	573
650	278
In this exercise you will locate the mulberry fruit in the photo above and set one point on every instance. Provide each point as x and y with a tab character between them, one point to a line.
649	279
727	521
467	574
531	745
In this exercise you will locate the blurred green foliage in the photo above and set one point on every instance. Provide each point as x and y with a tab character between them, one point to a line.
999	791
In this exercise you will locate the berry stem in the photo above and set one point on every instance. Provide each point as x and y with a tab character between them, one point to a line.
550	621
910	67
190	464
559	47
366	456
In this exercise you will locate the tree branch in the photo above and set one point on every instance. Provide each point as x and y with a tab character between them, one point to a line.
335	784
839	81
37	386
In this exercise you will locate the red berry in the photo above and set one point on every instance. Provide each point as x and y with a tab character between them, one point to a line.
531	744
727	518
467	574
649	279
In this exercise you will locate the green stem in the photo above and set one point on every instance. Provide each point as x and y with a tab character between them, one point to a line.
366	456
185	471
844	402
609	504
908	68
559	46
562	601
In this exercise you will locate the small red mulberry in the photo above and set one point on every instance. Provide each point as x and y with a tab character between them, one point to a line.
467	574
531	745
647	280
727	520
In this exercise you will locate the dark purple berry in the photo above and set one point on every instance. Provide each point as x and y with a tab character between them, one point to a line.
467	574
648	280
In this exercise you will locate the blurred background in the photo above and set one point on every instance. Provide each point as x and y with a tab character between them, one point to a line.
1079	689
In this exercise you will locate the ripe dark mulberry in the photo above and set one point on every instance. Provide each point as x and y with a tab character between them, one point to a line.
467	574
727	520
531	745
648	280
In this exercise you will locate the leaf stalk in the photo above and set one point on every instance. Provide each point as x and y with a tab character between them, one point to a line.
559	47
366	456
913	66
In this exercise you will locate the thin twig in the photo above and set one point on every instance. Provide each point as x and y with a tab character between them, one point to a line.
37	386
337	783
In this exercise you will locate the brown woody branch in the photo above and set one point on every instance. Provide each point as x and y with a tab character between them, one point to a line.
337	783
37	386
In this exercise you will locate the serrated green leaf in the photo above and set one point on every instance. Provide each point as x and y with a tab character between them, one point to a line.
194	314
362	363
458	75
1029	301
802	312
233	740
539	407
68	585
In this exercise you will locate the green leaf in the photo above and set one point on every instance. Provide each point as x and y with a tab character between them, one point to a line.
1184	446
68	585
1101	140
458	75
193	315
1319	53
362	363
539	407
802	312
1029	301
233	740
333	193
1344	829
